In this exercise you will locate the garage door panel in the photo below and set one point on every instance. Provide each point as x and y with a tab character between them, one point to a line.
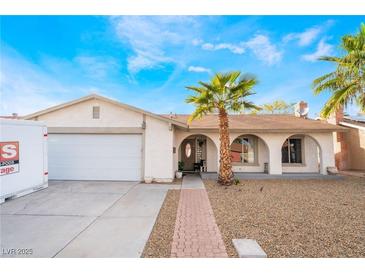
94	163
95	157
100	174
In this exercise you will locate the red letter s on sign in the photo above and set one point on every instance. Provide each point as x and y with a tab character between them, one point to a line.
9	151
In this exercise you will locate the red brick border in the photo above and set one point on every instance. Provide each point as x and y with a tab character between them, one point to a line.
196	233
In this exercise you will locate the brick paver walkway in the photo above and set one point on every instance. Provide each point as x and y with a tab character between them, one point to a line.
196	233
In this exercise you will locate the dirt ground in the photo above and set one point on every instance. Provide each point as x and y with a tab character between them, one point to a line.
302	218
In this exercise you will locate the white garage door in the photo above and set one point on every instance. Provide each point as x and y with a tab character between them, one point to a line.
95	157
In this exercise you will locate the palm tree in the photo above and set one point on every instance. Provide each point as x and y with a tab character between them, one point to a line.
277	107
226	92
347	82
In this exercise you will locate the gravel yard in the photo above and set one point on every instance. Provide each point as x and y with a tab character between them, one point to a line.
159	242
306	218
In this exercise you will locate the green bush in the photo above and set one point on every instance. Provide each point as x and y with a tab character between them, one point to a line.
181	165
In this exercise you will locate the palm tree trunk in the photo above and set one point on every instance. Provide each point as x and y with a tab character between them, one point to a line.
225	176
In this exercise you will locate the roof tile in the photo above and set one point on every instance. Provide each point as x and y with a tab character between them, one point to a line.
258	122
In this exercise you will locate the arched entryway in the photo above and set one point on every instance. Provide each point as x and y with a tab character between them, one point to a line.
198	153
301	153
250	153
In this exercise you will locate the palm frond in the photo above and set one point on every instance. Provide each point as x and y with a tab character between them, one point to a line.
197	89
226	91
199	113
361	102
339	98
347	82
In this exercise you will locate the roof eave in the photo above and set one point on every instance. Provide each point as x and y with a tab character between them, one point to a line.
105	99
316	130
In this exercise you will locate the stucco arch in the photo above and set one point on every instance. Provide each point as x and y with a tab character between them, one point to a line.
263	153
310	159
211	148
180	136
234	136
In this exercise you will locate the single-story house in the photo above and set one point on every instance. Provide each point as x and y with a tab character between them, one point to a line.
96	138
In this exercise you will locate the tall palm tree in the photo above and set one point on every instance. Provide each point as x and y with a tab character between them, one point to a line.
347	82
226	92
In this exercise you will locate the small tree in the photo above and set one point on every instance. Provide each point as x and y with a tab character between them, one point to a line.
226	92
278	107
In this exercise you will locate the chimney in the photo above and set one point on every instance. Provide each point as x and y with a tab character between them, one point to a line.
301	109
339	115
336	117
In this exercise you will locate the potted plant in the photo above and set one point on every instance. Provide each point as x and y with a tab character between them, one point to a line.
179	172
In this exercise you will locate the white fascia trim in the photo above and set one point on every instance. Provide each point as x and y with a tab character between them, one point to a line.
351	125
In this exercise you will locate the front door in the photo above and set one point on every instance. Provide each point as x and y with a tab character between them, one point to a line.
188	154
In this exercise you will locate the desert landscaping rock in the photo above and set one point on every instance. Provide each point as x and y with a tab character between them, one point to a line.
306	218
159	242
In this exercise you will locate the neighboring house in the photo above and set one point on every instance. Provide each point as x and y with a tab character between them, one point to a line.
96	138
13	116
349	145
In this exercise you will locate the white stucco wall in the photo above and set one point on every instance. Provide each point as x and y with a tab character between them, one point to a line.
325	141
310	159
275	141
158	160
157	154
212	156
271	152
80	115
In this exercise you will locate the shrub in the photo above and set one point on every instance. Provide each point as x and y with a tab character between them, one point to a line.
181	165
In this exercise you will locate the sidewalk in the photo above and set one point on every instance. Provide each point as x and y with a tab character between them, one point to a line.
196	233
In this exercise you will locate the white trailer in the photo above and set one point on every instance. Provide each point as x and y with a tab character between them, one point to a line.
23	158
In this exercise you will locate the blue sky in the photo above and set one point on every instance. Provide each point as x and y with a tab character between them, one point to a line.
148	61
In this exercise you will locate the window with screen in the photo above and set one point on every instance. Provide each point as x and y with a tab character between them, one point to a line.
243	150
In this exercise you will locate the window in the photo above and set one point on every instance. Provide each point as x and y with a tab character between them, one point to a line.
291	152
96	112
188	150
243	150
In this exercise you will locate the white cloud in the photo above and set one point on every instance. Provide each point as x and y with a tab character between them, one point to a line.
305	38
199	69
308	36
97	67
323	49
208	46
263	49
197	42
26	87
236	49
147	60
260	46
92	67
150	37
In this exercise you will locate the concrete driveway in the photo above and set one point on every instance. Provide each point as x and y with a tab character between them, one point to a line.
81	219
